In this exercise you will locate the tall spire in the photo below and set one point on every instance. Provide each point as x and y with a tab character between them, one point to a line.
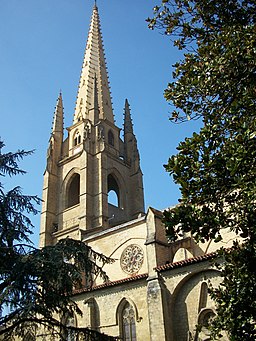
94	66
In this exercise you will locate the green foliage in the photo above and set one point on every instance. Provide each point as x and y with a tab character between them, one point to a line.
236	296
216	168
36	285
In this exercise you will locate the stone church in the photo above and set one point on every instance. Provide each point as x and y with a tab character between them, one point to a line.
93	191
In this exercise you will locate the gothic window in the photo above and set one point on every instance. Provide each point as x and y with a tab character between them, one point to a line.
128	323
73	191
77	138
111	139
113	191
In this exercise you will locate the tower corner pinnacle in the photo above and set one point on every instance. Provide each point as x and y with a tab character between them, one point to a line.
58	117
128	125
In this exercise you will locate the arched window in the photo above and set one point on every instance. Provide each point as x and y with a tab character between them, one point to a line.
77	138
203	296
128	323
113	191
111	139
204	321
73	191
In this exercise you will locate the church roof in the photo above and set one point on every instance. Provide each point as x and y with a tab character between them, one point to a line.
186	262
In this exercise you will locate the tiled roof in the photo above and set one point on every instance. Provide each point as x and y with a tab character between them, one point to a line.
186	262
165	267
111	284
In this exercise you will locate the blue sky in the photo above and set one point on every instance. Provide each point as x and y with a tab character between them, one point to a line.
42	44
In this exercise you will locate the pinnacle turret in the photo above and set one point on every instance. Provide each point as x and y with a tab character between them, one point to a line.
131	152
57	126
56	138
94	64
128	126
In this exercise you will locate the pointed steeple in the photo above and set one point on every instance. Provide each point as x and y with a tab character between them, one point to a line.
94	64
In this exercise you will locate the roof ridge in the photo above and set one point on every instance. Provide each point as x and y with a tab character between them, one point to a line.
185	262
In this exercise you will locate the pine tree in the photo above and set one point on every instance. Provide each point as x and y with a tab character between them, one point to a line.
36	285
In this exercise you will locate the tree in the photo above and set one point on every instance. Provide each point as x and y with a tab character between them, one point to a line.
216	168
36	285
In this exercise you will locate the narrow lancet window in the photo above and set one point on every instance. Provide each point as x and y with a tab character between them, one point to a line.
73	191
111	139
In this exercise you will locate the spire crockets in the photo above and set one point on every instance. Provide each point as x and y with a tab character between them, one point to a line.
94	66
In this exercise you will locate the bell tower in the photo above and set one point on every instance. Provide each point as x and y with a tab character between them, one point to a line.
93	161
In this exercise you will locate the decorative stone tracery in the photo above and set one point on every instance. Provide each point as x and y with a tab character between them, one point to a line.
132	259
